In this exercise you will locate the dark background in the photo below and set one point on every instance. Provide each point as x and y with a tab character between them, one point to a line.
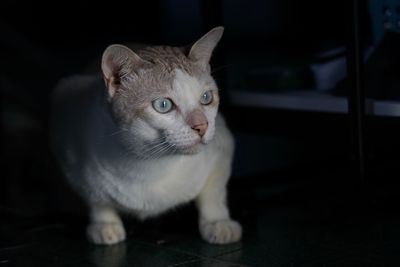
41	42
295	184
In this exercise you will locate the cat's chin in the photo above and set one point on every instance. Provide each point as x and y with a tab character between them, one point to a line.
192	149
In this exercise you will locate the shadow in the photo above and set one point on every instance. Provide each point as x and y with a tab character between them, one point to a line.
109	256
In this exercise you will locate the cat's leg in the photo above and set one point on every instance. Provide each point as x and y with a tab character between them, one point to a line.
105	226
215	223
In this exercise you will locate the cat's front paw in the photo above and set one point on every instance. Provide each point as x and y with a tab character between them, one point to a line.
105	233
221	232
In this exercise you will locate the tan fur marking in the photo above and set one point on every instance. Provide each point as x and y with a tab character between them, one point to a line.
170	58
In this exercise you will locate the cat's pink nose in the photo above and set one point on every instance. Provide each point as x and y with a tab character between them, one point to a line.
200	128
197	121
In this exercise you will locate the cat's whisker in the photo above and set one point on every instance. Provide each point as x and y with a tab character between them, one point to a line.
143	149
153	146
157	152
164	150
118	132
160	150
149	152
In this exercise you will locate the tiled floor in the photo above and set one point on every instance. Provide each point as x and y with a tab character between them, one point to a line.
285	224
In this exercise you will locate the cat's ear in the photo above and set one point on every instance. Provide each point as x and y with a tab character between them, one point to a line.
202	50
118	61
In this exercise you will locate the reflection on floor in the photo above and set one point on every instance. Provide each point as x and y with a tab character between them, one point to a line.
285	224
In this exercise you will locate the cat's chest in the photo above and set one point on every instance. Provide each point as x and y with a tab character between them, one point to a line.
153	187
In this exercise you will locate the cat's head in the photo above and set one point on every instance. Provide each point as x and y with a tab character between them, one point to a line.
163	98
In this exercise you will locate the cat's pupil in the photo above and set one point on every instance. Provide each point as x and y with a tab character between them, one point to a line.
162	105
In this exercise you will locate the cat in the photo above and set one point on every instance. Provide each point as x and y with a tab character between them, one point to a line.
144	136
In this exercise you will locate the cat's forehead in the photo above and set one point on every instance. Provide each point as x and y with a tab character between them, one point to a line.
183	81
169	59
172	70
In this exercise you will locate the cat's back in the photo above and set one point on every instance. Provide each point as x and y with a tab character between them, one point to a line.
73	103
71	99
72	87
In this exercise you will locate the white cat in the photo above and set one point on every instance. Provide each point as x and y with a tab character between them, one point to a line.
149	140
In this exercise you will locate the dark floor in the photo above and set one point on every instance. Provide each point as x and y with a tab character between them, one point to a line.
287	222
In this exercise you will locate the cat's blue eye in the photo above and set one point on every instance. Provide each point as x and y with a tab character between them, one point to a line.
207	98
162	105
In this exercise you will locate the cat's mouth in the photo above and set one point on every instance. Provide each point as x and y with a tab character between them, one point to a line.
187	145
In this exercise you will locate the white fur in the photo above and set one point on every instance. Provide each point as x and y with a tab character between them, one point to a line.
189	90
110	179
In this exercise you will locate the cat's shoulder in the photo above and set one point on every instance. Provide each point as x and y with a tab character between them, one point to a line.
74	83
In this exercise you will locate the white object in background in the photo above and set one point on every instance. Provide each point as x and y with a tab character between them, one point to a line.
328	72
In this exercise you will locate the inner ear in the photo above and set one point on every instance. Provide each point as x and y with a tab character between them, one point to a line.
202	50
118	61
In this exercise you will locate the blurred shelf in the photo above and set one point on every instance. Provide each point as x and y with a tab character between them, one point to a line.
310	100
306	100
384	108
